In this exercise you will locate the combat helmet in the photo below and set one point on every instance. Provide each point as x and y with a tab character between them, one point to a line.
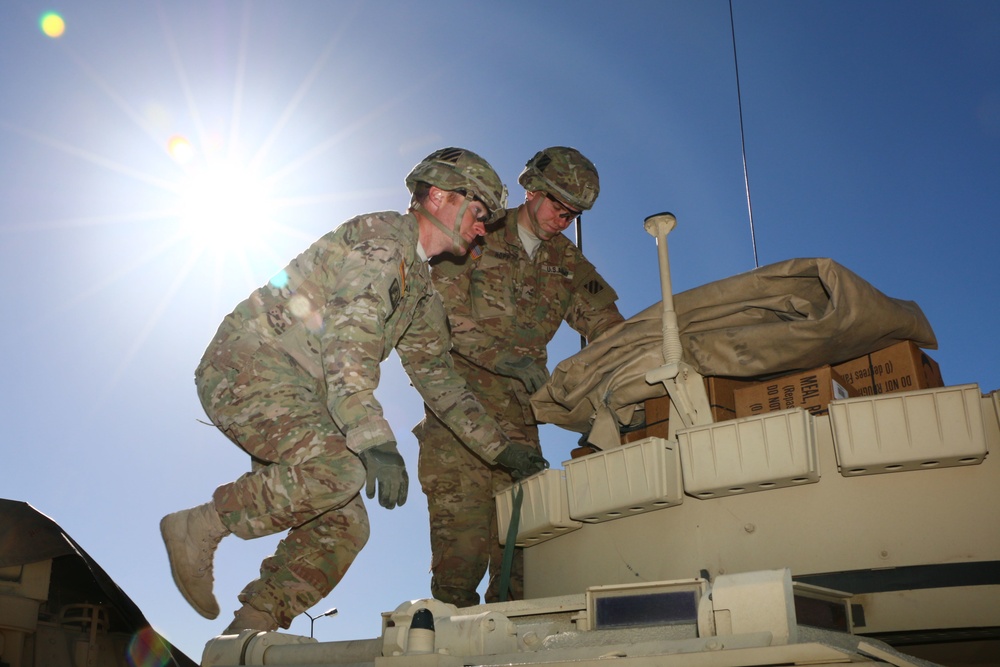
455	169
565	174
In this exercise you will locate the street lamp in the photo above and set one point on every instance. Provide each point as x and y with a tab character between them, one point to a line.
313	619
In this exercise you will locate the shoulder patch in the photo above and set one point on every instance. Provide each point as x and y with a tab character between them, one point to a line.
594	286
396	289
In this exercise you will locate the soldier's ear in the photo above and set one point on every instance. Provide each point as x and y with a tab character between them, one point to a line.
436	197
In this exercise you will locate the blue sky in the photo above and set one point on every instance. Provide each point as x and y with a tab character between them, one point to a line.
872	134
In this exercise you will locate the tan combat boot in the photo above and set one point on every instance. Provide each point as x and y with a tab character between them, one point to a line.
250	618
191	537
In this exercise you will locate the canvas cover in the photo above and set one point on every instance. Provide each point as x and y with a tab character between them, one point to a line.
793	315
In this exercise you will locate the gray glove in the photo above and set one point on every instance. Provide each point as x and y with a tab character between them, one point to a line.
383	463
525	369
521	460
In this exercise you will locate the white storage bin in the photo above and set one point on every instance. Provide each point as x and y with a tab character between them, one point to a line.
914	430
634	478
544	509
758	453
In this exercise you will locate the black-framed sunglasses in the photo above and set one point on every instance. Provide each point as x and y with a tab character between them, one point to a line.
564	212
488	216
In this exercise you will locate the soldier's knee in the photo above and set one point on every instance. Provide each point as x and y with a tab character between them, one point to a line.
345	529
339	477
362	531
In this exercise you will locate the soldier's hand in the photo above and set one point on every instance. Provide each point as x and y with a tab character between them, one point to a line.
384	465
525	369
521	460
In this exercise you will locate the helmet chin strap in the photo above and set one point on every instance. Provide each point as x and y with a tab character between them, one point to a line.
533	218
458	244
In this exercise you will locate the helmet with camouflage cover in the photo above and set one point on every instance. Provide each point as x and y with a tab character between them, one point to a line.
565	174
458	169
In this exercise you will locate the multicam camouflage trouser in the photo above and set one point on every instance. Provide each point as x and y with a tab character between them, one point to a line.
303	479
460	487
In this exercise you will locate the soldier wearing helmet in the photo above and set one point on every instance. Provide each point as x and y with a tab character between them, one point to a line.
290	378
505	300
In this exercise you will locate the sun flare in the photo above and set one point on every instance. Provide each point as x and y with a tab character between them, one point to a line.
224	205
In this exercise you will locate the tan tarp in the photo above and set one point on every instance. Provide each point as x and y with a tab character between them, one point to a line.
793	315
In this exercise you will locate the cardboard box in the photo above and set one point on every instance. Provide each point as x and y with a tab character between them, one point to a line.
722	396
899	367
657	416
812	390
657	410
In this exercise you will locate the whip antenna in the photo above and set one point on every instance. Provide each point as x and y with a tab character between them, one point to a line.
579	244
743	145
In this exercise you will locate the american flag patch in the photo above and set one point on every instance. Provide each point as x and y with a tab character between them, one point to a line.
476	251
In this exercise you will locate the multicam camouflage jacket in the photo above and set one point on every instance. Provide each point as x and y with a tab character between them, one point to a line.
500	300
338	310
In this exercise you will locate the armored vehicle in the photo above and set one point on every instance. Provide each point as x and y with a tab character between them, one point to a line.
758	484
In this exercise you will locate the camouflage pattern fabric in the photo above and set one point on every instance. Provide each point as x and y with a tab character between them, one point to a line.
498	301
338	310
290	376
460	487
565	173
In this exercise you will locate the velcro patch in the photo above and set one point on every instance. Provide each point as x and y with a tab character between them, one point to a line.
394	296
564	272
396	290
501	255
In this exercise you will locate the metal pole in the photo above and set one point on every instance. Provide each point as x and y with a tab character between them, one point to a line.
579	245
313	619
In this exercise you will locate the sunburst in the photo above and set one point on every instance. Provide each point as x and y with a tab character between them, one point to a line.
217	202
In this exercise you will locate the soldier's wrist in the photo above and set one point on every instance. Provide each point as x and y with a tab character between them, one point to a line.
369	433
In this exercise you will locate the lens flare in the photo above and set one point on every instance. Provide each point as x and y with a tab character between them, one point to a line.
180	149
280	279
147	649
52	25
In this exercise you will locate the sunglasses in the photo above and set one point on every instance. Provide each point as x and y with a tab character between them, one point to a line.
564	212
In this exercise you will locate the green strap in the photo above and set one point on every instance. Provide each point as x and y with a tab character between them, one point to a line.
508	547
458	244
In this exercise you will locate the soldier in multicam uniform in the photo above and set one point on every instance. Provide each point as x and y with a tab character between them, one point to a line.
290	376
505	301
